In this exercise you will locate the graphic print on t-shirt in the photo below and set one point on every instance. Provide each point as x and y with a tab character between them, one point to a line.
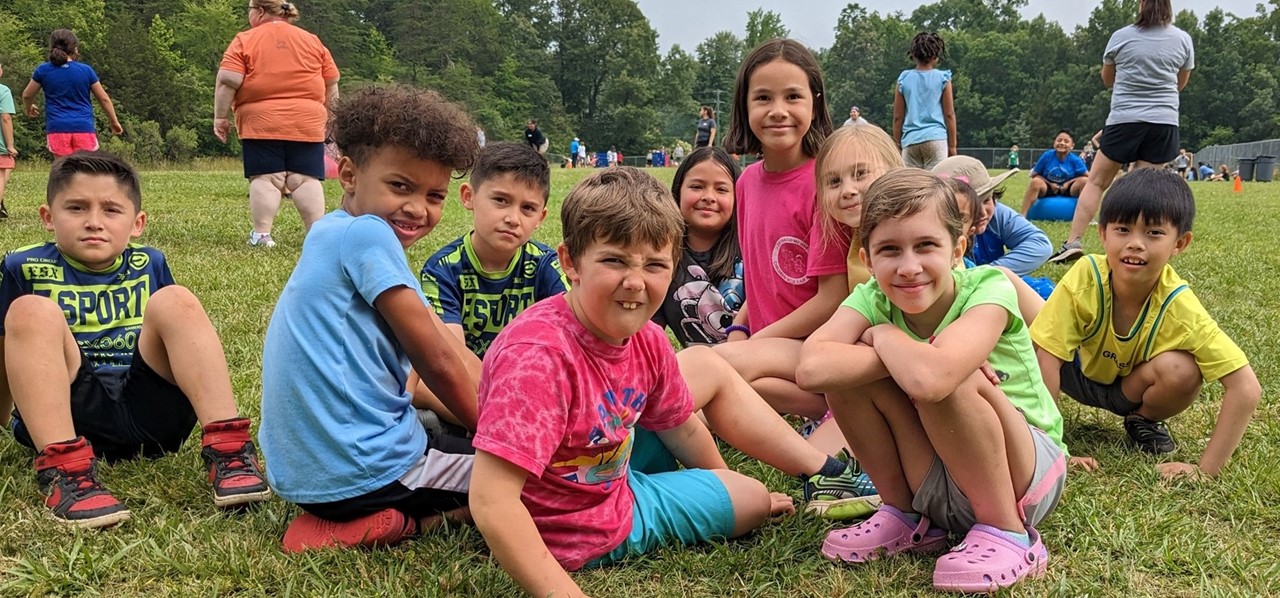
612	436
705	308
790	259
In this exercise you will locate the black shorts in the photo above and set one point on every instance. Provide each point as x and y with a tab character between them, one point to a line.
265	156
1087	392
436	484
125	413
1132	142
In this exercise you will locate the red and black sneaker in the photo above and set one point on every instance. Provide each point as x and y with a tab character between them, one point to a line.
384	528
233	464
68	476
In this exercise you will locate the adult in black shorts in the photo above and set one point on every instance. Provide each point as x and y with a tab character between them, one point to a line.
1146	64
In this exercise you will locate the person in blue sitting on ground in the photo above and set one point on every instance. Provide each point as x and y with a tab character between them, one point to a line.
1003	238
1057	172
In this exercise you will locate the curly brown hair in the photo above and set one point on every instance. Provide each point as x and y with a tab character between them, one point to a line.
420	121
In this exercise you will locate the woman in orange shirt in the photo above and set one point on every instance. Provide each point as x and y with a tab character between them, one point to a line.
280	81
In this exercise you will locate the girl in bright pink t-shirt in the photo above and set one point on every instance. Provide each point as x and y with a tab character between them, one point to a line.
794	274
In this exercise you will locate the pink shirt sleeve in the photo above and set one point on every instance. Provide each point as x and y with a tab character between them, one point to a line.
671	403
827	251
523	404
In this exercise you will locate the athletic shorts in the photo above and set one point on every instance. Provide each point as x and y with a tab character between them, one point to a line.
925	154
437	483
65	144
1131	142
7	162
1076	385
124	413
947	507
687	506
265	156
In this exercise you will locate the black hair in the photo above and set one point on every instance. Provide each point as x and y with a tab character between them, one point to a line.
1068	132
1153	195
1154	13
419	121
94	163
63	46
926	46
741	139
518	159
726	251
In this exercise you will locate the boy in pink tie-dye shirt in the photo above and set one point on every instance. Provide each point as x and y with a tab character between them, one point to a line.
564	478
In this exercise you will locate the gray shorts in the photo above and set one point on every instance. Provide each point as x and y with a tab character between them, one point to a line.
947	507
925	154
1087	392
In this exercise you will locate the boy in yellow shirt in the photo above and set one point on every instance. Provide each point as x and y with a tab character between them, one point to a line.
1123	332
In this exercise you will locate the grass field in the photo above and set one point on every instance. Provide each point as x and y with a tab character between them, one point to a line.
1118	532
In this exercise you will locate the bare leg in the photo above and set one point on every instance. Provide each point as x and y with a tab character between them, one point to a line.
752	503
42	358
829	439
1101	176
179	342
739	416
308	197
1165	386
458	515
1076	186
769	365
4	181
1036	189
264	200
890	442
986	446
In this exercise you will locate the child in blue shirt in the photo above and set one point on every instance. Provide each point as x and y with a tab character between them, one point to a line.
924	114
1059	171
338	426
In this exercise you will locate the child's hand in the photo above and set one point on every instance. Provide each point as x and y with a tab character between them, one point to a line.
990	373
32	111
736	335
1085	463
1176	471
780	505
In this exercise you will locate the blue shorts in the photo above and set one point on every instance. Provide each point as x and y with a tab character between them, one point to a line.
265	156
688	506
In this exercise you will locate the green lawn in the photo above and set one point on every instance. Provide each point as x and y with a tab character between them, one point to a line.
1119	531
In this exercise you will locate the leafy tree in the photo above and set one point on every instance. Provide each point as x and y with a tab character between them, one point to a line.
720	55
763	25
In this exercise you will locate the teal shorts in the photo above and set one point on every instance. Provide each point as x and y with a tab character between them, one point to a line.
687	506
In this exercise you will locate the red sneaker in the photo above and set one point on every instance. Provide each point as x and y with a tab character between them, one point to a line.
68	476
233	464
384	528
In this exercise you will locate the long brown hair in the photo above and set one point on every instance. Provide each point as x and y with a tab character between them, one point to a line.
741	140
63	46
1154	13
726	252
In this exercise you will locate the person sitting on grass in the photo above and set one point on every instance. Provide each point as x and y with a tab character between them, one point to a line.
1059	171
931	373
105	357
338	426
481	282
1001	237
563	478
1123	332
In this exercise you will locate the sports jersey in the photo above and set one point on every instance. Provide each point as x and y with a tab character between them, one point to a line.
485	302
104	309
1078	321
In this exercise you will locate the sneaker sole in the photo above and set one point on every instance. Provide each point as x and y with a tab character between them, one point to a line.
1067	256
236	500
845	508
99	522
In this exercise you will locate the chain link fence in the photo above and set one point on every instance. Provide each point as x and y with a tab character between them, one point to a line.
1216	155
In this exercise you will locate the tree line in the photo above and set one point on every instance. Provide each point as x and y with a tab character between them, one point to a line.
592	68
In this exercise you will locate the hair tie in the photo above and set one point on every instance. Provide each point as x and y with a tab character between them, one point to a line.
285	7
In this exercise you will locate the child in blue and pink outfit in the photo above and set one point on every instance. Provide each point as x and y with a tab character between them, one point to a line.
931	372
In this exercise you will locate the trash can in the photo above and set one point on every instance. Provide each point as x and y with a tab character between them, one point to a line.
1246	168
1263	169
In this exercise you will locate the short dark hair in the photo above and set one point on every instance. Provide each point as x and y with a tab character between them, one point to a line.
518	159
741	139
419	121
926	46
726	252
96	163
1152	194
1067	131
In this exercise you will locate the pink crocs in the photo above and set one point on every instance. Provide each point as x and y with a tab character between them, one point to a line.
988	559
885	533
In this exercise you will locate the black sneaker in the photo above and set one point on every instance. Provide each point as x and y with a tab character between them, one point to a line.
1069	252
1150	436
4	212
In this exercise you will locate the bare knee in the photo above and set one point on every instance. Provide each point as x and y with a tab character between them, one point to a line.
1177	371
750	500
293	180
34	314
173	301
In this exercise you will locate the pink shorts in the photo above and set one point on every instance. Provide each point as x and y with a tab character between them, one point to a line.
6	162
65	144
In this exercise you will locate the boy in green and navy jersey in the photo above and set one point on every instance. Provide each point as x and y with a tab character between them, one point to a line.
104	354
480	282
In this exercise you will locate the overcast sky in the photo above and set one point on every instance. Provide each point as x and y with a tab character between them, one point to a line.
688	22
